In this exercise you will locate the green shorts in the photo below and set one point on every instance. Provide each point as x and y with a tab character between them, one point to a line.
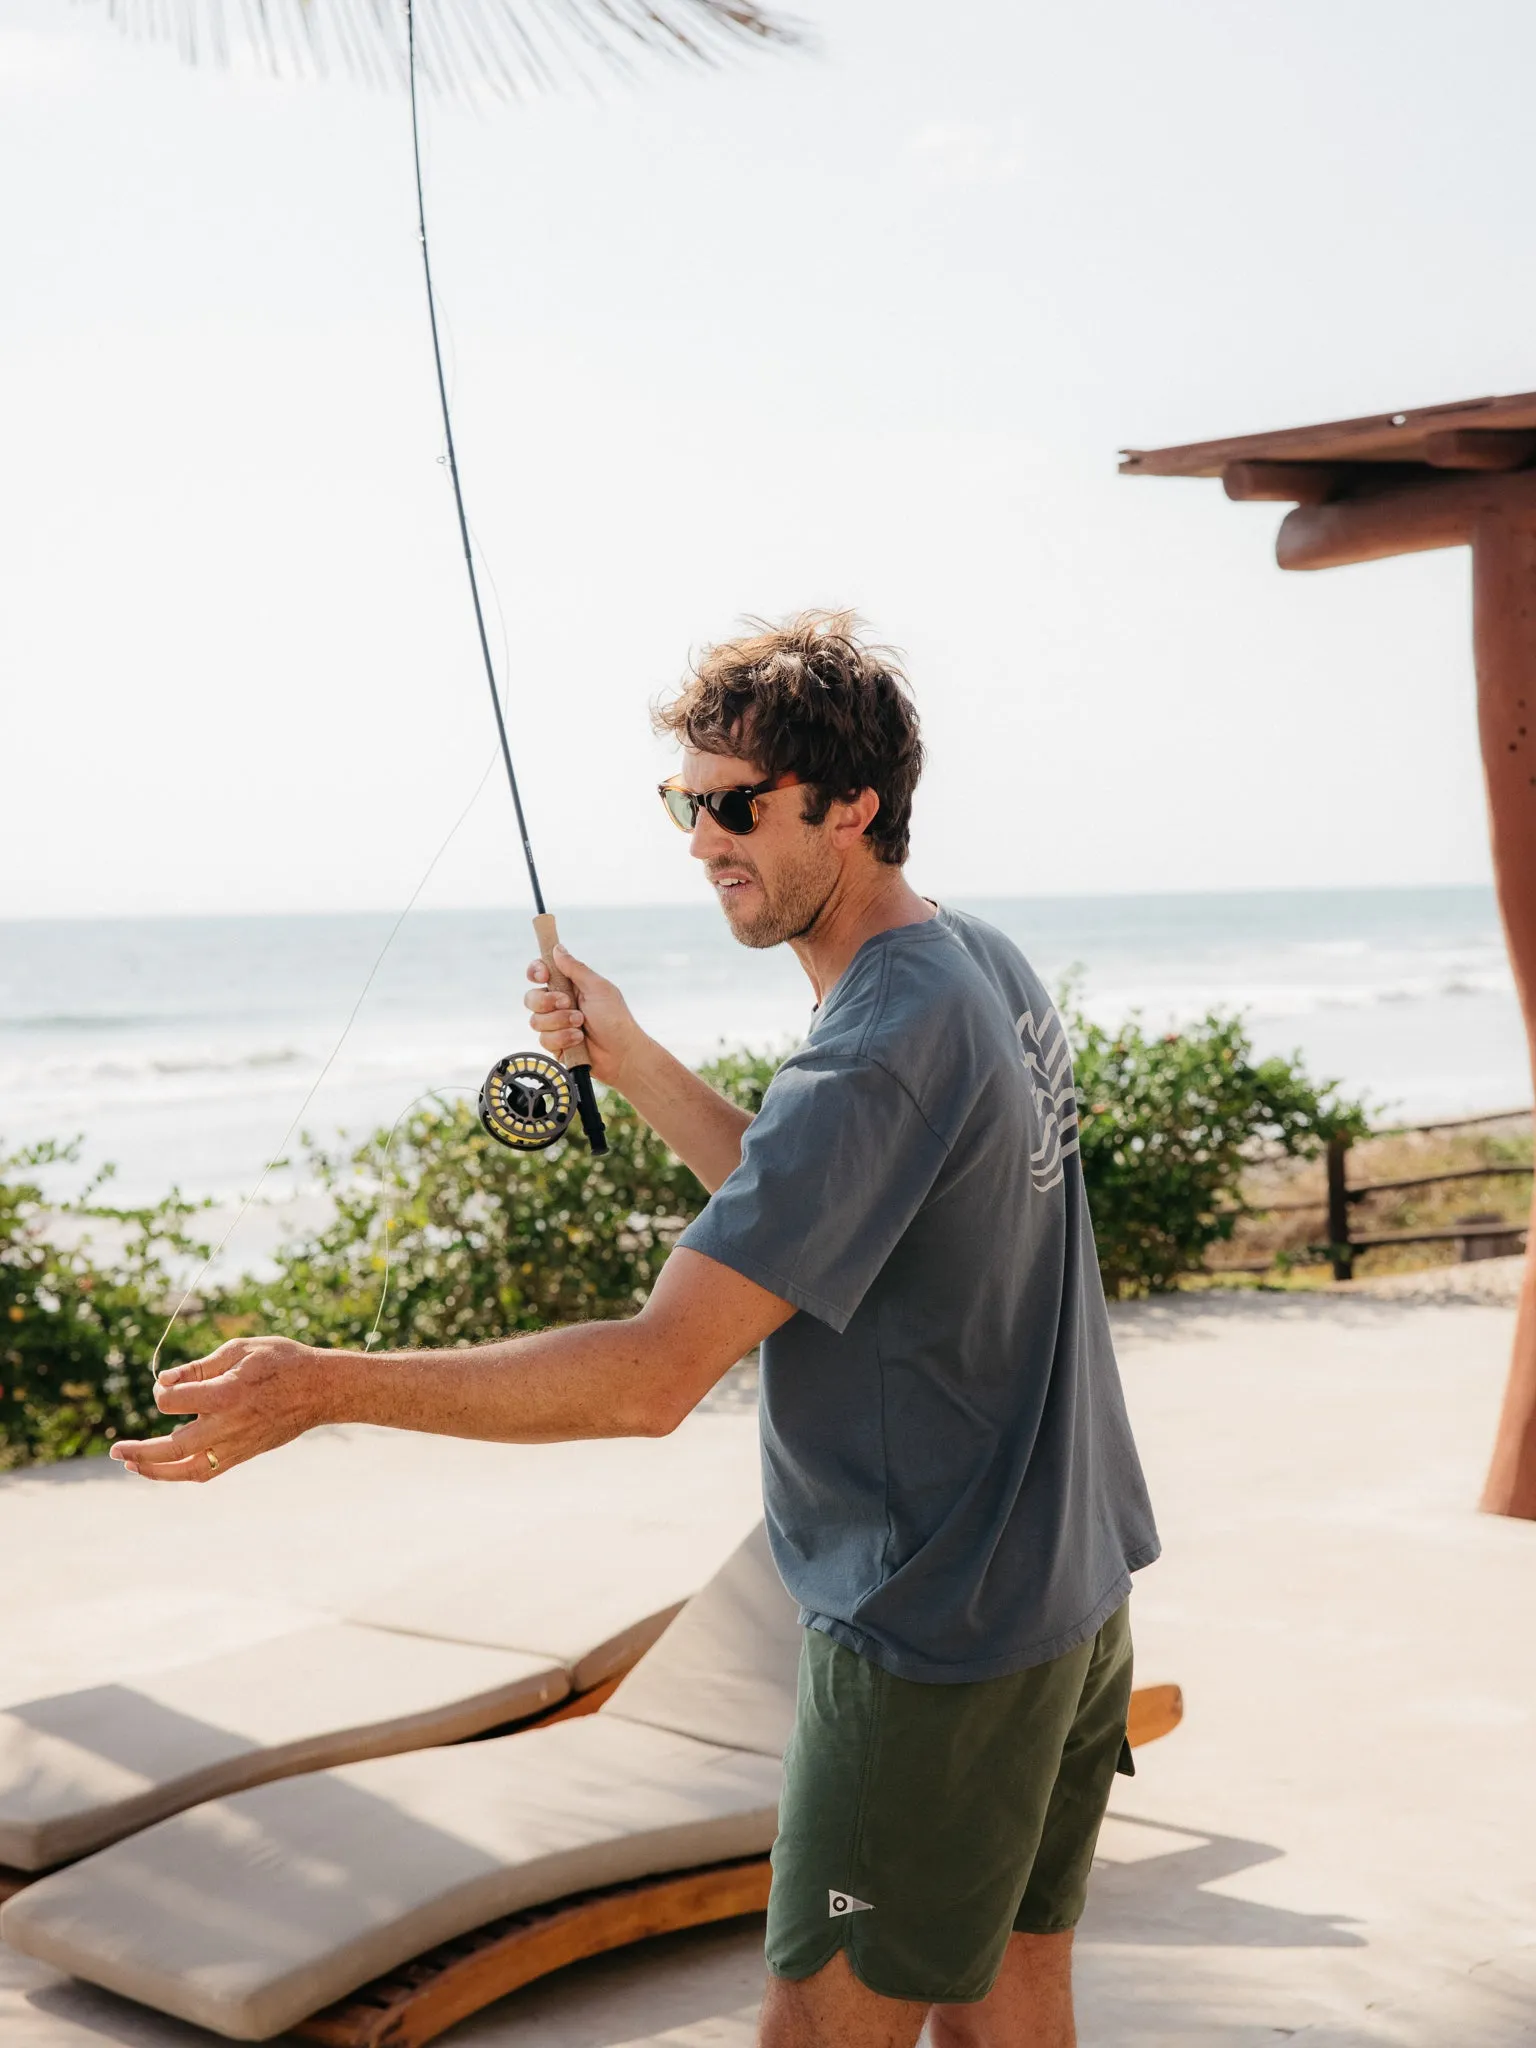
921	1825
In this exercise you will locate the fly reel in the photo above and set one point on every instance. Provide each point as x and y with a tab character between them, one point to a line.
529	1098
527	1102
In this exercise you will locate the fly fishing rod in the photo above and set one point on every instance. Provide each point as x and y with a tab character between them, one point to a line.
528	1099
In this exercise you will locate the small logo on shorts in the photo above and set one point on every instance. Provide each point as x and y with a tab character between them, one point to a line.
840	1904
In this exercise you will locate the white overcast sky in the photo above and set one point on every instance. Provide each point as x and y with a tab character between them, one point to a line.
864	327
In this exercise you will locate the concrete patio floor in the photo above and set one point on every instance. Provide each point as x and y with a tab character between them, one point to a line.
1339	1845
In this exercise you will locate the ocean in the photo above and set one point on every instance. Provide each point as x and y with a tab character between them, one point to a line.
180	1048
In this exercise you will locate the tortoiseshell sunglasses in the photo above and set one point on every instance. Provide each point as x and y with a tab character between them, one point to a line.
733	810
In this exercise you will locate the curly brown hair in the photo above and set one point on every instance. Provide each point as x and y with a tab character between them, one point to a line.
808	698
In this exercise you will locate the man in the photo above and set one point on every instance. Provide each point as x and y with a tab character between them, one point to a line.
951	1489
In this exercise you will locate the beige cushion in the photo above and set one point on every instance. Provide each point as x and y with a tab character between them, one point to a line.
83	1768
248	1914
604	1606
725	1671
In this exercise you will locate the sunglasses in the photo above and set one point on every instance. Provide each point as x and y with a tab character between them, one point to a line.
733	810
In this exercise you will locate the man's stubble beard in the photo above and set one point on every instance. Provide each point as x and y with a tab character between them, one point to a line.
790	909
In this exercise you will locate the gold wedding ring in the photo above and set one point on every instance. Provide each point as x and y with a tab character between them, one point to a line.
213	1463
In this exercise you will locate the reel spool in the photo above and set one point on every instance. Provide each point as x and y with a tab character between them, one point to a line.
527	1101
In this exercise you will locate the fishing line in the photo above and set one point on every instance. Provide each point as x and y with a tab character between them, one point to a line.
331	1058
444	1097
527	1100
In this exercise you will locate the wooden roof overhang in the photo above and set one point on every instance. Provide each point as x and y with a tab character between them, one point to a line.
1396	484
1390	484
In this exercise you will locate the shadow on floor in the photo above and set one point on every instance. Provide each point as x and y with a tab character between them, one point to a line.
1159	1900
64	2011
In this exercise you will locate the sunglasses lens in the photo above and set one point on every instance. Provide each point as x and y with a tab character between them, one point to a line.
681	808
732	811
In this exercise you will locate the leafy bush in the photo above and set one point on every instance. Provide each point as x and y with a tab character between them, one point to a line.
483	1240
1168	1125
76	1337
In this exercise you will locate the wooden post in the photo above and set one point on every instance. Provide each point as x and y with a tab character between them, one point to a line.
1338	1210
1504	640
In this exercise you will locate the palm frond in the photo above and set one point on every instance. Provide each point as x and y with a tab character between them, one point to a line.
464	48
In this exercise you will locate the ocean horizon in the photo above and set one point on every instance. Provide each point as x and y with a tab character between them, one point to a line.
179	1048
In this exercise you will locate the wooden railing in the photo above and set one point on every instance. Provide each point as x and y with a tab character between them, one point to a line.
1342	1193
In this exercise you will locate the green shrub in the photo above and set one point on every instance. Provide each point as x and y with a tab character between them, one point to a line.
1168	1125
483	1240
76	1336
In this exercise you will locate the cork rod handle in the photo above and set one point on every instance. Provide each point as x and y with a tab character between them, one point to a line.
576	1057
548	937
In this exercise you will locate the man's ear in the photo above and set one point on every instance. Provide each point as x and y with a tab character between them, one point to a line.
852	820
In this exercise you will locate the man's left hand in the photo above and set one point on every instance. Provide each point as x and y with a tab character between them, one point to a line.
249	1396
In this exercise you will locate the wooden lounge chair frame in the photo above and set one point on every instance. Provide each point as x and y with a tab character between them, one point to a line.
415	2003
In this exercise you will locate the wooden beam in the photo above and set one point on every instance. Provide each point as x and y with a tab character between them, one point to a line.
1407	520
1479	448
1369	529
1441	1233
1435	1180
1383	437
1280	483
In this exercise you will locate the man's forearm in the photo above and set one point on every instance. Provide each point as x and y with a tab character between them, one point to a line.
634	1378
703	1129
556	1386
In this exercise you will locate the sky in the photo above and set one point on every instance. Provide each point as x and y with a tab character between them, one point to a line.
864	325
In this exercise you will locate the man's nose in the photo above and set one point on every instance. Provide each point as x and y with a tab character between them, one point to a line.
708	841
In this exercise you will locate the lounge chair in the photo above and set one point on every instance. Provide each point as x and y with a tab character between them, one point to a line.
431	1661
259	1913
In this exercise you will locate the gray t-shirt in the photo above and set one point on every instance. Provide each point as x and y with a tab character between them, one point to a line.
948	1473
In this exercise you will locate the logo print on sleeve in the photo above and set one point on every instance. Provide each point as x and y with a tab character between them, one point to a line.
1048	1063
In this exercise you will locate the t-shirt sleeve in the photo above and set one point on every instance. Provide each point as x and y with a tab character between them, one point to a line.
833	1169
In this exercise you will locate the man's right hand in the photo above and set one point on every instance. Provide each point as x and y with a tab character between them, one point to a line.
594	1009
